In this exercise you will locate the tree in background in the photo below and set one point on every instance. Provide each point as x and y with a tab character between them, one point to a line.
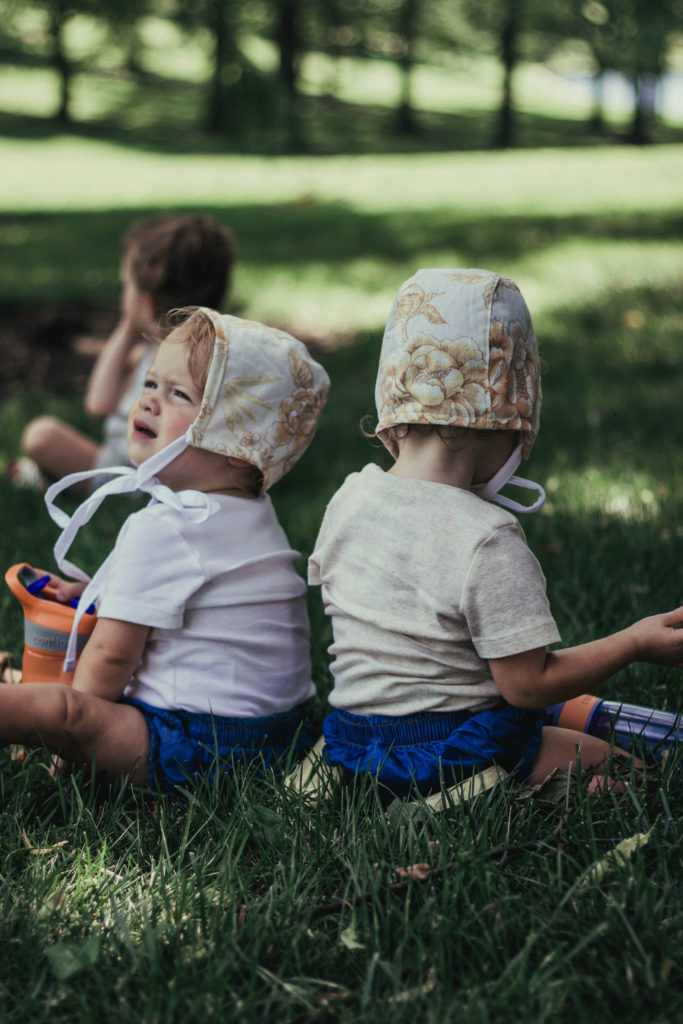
290	36
632	37
51	22
220	20
255	50
58	13
504	22
407	31
340	33
55	16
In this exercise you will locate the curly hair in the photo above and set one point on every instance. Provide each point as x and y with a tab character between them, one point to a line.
180	260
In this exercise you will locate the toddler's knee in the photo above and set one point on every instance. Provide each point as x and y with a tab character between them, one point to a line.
69	711
39	435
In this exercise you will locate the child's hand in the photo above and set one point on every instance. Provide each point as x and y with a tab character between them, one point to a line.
64	590
659	638
137	313
67	590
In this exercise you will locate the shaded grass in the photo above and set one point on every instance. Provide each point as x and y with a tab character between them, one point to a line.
221	906
328	269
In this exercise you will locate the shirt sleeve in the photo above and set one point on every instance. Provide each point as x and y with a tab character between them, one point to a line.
154	572
314	561
504	598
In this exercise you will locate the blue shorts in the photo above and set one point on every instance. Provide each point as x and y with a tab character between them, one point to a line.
425	749
183	745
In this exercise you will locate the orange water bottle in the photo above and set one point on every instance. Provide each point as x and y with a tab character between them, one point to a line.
47	625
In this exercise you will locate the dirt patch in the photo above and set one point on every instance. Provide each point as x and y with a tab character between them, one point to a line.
55	347
51	347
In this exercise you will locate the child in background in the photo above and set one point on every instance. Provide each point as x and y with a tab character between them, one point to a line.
201	645
440	620
167	262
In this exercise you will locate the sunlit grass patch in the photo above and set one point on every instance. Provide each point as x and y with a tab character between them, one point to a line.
585	267
29	91
633	497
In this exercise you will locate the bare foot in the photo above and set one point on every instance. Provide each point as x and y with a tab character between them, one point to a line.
8	674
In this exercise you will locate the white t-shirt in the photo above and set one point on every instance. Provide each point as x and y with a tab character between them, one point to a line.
227	609
423	582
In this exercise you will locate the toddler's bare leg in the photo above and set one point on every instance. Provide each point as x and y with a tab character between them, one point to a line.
57	447
559	750
78	727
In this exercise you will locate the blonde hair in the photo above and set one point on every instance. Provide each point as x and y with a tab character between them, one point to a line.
195	330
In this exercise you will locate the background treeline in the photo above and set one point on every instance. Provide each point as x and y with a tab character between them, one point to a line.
248	61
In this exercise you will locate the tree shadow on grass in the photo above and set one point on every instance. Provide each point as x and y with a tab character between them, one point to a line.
73	256
168	117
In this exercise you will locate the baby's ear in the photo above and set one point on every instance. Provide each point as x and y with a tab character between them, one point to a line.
234	461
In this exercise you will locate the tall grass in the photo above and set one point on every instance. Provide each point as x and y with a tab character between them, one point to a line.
242	902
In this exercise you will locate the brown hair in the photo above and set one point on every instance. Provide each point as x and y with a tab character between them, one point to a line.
180	261
452	436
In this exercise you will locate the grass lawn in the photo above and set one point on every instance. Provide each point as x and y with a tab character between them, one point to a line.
229	905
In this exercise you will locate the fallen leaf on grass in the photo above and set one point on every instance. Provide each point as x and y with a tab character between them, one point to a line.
37	851
619	855
418	872
349	938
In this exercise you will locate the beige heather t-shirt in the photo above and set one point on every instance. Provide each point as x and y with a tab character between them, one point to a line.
423	583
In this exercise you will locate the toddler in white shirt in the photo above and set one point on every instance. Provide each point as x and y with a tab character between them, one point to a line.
200	654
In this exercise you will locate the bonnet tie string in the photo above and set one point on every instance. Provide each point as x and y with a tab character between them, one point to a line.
505	475
195	505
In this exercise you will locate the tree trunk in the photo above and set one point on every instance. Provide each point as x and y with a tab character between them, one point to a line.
61	61
218	22
505	130
288	43
408	30
597	121
645	90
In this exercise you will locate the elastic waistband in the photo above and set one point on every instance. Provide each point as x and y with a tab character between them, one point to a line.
406	730
227	732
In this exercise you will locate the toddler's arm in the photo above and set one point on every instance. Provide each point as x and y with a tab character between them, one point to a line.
111	372
110	657
537	678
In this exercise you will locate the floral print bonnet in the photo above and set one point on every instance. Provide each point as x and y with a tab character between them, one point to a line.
459	349
263	396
